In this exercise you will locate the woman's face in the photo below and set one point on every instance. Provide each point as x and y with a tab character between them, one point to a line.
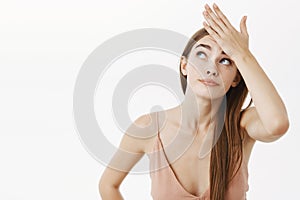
208	61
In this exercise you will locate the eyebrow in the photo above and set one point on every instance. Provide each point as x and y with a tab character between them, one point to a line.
207	47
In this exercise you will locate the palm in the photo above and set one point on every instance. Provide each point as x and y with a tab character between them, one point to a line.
231	41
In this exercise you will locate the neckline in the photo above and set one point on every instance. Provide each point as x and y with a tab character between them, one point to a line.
175	177
204	194
172	171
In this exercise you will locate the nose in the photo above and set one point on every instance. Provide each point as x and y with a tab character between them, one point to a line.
210	71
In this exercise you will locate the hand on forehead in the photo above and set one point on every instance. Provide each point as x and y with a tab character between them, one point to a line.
210	42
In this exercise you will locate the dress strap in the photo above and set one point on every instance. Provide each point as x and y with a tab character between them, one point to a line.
157	122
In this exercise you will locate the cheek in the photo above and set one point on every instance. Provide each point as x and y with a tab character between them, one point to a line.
192	72
227	78
196	70
197	64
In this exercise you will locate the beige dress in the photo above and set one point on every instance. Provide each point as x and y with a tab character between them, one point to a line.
166	186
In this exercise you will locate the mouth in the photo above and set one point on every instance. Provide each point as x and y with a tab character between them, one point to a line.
208	82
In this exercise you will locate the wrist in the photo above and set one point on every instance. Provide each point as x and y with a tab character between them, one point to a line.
245	56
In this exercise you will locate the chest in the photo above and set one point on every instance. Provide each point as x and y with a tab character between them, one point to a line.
191	172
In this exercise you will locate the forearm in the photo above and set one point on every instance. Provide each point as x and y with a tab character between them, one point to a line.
108	193
266	99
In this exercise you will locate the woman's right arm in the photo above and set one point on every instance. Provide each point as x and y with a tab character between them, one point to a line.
131	150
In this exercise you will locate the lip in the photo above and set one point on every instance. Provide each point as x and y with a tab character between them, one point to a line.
208	82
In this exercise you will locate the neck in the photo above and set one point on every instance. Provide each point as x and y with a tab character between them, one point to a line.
199	113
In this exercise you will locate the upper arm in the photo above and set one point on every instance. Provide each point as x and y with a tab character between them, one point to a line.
131	150
254	127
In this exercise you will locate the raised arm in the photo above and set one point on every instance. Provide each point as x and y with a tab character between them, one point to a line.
131	149
268	120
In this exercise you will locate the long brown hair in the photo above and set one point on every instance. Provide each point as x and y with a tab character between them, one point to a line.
228	148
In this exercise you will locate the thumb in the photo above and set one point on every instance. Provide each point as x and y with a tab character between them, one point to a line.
243	26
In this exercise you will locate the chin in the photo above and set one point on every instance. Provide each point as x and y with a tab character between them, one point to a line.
211	95
209	92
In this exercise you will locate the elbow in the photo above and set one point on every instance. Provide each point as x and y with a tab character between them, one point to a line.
106	189
280	126
103	187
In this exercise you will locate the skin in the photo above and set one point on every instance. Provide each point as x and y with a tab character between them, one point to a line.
205	63
266	122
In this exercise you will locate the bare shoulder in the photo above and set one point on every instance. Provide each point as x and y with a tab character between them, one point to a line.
133	145
245	118
254	126
248	141
255	130
140	134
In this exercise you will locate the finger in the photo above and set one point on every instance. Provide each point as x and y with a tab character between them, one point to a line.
243	26
211	31
212	23
217	19
222	16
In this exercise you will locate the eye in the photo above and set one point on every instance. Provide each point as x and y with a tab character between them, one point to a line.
200	53
228	61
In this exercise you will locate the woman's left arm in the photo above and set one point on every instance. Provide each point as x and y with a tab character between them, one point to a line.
269	109
268	120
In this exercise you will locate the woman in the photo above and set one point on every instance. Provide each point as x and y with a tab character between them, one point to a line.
202	151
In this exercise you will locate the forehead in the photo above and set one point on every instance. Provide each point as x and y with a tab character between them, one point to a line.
209	41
